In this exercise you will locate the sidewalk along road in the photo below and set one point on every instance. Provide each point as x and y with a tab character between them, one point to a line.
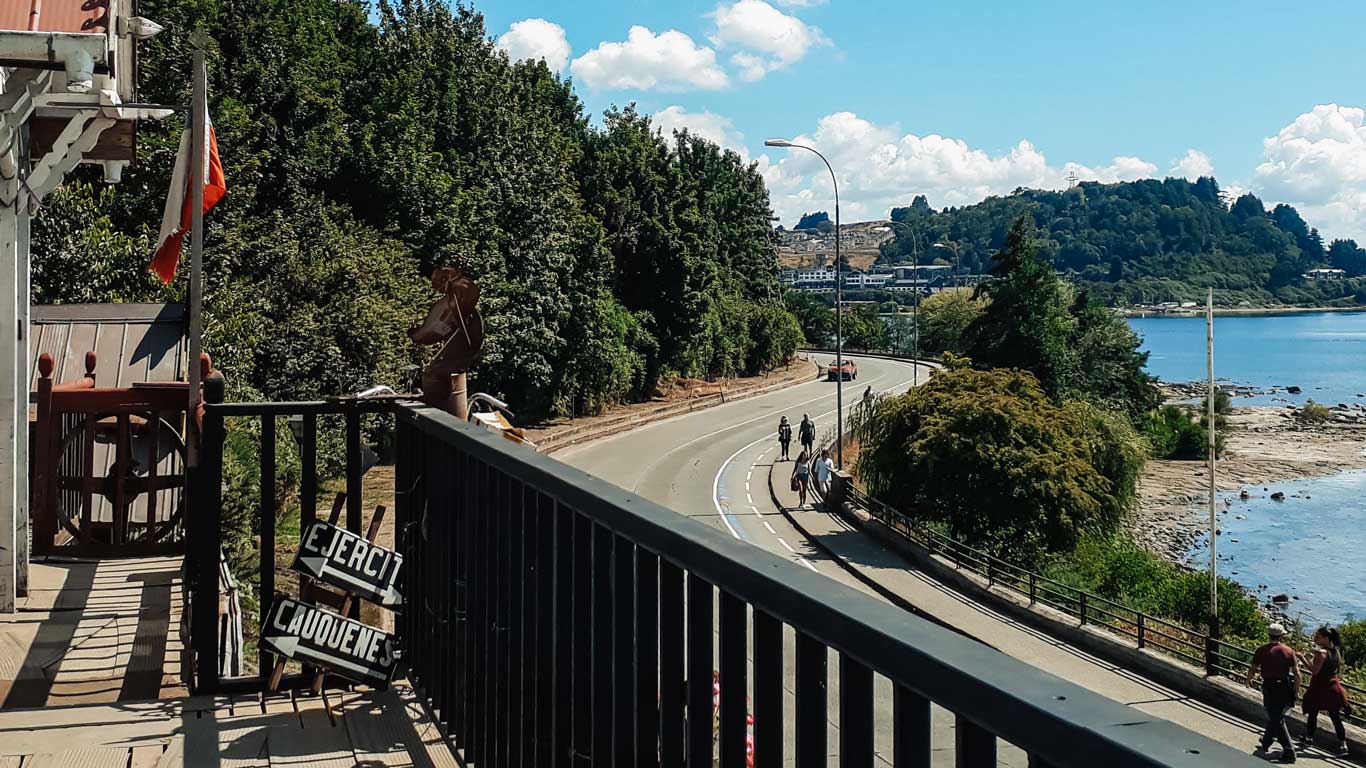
714	465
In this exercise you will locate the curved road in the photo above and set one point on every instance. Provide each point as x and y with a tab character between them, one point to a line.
714	465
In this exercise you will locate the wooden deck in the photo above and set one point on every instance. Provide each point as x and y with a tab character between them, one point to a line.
93	631
90	677
337	730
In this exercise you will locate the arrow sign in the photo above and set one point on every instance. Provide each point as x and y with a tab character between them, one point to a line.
343	559
310	634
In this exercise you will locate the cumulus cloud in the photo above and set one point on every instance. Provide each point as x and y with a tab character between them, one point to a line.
536	39
1317	163
800	3
880	167
669	61
1194	165
709	125
764	38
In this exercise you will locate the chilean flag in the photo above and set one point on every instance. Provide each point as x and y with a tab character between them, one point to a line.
175	220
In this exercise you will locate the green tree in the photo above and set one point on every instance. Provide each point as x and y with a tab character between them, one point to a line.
945	321
987	454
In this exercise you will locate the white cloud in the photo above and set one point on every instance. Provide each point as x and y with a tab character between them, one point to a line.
669	61
1191	167
800	3
1317	163
766	39
709	125
536	39
879	167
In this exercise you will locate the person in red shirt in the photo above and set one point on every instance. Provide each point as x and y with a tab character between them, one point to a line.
1280	671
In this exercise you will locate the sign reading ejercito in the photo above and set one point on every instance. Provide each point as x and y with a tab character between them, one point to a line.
311	634
335	556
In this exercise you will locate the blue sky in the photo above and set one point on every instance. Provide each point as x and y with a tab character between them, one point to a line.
958	100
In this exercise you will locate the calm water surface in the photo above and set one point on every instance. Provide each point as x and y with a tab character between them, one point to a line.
1313	544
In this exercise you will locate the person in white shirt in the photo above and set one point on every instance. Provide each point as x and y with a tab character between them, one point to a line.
824	467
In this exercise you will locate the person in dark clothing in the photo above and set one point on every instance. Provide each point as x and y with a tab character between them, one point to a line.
1280	670
784	437
806	433
1325	693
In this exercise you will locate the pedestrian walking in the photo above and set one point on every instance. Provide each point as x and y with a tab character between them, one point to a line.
806	432
801	477
1280	671
1325	693
823	468
784	437
868	393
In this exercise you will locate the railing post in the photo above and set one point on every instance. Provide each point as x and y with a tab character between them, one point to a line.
1141	639
44	509
204	518
1083	609
991	575
1033	588
1211	657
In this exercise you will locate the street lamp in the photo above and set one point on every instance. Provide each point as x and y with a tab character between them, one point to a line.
839	302
950	245
915	315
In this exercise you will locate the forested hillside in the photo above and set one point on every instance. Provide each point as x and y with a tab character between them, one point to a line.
1151	241
365	145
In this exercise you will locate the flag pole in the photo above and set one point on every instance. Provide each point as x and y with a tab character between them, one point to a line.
198	141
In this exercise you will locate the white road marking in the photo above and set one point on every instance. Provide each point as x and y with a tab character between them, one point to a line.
749	499
807	563
770	528
713	433
786	546
749	475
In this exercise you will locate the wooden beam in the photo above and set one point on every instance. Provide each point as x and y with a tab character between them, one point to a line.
118	142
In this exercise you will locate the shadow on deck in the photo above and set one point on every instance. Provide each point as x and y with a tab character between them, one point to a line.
90	675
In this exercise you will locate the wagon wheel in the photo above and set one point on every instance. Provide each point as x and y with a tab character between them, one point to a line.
142	441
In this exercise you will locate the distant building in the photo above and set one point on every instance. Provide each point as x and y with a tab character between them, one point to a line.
1326	273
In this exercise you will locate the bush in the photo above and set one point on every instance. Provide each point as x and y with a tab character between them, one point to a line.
1173	434
1119	570
1353	642
988	454
1313	413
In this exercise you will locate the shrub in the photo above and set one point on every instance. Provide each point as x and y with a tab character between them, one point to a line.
1173	434
1353	642
987	453
1313	413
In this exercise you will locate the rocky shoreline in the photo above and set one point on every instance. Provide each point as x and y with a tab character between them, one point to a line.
1264	445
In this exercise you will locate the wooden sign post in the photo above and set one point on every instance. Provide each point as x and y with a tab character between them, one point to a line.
296	629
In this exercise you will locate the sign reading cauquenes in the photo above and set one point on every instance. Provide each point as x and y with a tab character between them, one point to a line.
308	633
338	557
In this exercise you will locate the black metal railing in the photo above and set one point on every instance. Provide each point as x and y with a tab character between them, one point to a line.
552	619
1196	647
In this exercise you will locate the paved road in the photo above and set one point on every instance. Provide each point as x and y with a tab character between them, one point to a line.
714	465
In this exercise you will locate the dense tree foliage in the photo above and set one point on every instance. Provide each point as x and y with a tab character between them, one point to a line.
1035	322
366	145
1151	241
813	220
945	319
988	454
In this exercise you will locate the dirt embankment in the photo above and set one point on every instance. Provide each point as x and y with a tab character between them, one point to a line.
1265	444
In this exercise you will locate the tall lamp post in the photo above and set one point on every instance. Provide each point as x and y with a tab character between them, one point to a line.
915	315
839	302
950	245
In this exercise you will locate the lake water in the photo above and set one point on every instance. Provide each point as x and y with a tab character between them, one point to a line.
1322	353
1313	544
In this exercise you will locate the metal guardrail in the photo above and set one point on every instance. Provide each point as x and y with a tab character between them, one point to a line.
1215	656
553	619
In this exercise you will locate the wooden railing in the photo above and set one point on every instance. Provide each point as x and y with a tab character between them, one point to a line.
109	472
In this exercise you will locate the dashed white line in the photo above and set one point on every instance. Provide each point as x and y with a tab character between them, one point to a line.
756	511
786	546
770	528
807	563
749	499
749	474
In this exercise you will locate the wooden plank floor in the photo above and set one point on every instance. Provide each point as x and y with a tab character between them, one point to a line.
93	631
341	729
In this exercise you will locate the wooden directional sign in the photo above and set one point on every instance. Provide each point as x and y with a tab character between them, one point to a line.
311	634
343	559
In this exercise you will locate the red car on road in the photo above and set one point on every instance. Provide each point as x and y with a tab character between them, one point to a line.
847	372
